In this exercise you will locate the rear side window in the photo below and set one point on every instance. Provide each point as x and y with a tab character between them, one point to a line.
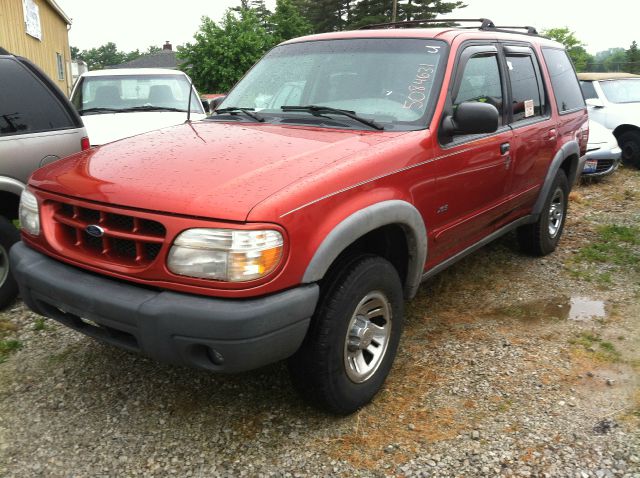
588	90
564	81
26	105
526	87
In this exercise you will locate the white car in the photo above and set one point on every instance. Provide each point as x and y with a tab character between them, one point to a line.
614	101
120	103
603	152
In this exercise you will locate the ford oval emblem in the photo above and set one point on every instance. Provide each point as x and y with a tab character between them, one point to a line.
95	231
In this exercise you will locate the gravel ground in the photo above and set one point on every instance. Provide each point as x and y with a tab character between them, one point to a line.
499	374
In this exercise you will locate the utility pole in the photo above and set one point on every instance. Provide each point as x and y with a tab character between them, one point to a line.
395	11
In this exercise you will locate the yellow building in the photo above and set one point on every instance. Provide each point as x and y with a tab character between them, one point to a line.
38	30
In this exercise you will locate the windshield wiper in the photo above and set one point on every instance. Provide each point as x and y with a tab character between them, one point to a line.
99	110
318	110
153	108
247	111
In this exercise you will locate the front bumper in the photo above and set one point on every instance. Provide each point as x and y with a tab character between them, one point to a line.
601	162
216	334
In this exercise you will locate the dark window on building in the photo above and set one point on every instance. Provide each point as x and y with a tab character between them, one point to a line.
481	82
564	80
588	90
60	63
26	105
526	88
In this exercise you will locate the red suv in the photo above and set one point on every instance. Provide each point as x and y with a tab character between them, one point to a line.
340	173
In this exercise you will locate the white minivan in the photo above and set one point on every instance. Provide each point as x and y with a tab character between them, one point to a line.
119	103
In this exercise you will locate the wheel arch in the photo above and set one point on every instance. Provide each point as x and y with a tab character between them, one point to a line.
385	219
10	191
567	159
624	128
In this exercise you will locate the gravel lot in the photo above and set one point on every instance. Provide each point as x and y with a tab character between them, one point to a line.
499	374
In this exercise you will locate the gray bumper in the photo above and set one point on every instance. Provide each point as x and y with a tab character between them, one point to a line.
216	334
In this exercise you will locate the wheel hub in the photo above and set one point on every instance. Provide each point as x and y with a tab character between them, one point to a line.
361	334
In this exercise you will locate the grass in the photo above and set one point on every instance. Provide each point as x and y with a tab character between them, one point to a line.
7	347
601	349
39	324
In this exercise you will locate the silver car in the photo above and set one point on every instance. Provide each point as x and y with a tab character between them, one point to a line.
38	125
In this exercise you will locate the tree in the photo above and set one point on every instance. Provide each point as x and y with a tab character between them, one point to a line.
153	49
575	47
75	51
633	58
287	22
221	54
103	56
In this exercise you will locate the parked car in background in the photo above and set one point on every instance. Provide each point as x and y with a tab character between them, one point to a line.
603	152
119	103
298	230
614	102
38	125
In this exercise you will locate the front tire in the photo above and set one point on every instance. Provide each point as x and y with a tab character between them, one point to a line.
630	145
542	237
9	235
353	337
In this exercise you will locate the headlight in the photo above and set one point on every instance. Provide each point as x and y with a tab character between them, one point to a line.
225	254
29	213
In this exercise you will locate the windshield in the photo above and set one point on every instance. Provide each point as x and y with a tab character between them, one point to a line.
122	92
389	81
622	91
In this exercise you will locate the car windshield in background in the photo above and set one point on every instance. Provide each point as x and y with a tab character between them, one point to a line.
121	93
390	82
622	91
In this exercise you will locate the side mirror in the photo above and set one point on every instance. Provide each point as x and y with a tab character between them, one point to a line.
595	103
205	105
216	102
471	118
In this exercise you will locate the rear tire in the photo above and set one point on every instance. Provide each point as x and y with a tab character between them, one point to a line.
9	235
353	337
630	144
542	237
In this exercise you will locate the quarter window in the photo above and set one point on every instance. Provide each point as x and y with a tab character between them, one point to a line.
26	106
481	82
588	90
564	80
526	91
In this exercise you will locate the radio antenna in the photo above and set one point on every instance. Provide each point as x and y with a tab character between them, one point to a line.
189	103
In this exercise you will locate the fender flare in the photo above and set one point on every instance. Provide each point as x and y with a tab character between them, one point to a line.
570	148
352	228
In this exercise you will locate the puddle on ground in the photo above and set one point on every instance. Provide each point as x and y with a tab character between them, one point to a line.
561	308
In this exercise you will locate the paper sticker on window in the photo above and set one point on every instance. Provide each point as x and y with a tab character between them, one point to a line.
528	108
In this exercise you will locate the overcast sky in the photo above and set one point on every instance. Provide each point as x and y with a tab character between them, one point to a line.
132	24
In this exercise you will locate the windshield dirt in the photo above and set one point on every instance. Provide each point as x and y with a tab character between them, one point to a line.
388	81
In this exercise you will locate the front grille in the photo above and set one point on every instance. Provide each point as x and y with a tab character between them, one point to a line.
128	240
604	165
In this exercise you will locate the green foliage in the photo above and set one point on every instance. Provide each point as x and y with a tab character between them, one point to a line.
75	51
221	54
287	22
7	347
633	58
576	49
103	56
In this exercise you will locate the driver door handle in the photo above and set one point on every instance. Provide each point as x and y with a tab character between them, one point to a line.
505	148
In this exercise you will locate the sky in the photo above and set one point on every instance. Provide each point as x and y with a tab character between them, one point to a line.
137	24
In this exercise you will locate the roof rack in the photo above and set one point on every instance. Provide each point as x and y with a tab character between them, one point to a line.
485	25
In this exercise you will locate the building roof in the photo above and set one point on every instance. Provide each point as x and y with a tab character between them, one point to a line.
59	11
605	76
163	59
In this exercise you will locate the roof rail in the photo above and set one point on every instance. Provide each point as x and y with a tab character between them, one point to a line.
485	23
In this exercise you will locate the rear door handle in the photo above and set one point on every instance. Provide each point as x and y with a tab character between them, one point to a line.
505	148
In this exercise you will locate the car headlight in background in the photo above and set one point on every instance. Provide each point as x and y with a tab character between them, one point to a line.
29	213
225	254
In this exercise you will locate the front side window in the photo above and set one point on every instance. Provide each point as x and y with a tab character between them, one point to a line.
389	81
527	100
588	90
563	79
481	82
113	93
621	91
26	105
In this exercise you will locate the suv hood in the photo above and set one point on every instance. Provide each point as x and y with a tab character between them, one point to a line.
107	127
205	169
